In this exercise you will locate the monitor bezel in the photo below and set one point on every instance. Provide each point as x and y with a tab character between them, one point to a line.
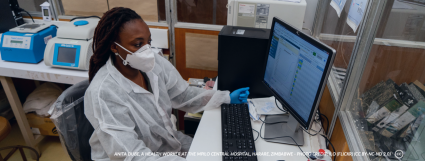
307	124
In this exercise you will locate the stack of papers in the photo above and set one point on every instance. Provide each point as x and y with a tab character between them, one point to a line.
263	106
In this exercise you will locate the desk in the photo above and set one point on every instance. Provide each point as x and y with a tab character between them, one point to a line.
208	139
42	72
35	72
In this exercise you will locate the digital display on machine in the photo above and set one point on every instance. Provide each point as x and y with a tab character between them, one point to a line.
46	12
66	55
14	41
294	70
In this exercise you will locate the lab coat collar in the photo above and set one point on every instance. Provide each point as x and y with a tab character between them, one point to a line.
125	83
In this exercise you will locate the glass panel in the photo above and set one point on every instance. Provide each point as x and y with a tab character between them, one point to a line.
150	10
161	10
405	21
206	12
388	108
337	34
85	7
201	51
31	5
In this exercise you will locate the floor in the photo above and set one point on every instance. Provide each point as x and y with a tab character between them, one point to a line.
50	147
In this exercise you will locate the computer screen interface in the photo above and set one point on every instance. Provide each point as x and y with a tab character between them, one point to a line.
294	70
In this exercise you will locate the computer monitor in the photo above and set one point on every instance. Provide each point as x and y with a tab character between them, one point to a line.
296	71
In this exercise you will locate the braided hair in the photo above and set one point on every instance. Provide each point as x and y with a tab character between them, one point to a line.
106	32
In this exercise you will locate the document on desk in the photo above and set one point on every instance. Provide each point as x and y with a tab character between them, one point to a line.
265	106
356	12
338	5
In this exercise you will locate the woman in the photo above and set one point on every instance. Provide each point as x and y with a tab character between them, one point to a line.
132	91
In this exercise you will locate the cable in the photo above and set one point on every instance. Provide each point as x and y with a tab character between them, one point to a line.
83	17
324	130
283	110
327	120
21	9
317	132
311	33
257	135
331	145
281	137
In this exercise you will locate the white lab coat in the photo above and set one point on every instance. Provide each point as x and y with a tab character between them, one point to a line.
128	118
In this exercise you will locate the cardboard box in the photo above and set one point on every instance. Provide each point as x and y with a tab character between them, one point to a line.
41	125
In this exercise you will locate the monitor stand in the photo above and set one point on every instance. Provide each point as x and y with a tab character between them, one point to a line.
290	128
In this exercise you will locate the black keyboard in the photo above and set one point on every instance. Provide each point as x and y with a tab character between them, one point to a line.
237	137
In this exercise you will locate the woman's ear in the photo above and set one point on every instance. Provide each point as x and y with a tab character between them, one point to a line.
114	48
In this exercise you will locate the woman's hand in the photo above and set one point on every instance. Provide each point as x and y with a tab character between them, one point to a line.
239	96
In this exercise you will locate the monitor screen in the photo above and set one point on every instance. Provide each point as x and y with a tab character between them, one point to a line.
294	71
66	55
46	12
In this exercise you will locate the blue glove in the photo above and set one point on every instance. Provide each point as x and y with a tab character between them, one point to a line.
239	96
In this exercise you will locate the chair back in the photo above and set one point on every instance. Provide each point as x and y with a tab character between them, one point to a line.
71	123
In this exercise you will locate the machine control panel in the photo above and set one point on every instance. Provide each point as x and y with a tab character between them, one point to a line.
66	55
20	42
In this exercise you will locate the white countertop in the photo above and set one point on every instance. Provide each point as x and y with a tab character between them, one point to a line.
208	139
41	72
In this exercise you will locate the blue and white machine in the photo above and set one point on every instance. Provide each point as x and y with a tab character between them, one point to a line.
72	48
26	43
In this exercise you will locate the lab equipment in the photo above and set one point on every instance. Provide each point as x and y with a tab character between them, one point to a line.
117	128
260	13
72	48
10	17
242	53
237	135
45	9
296	72
239	96
26	43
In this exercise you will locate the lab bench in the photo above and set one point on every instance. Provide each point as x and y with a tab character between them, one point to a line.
41	72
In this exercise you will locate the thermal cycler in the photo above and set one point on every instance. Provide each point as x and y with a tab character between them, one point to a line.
72	47
26	43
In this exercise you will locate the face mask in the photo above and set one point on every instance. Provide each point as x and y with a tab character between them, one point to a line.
143	59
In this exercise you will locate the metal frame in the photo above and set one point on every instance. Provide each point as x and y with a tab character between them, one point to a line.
321	9
377	41
53	9
173	23
198	26
172	19
362	47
